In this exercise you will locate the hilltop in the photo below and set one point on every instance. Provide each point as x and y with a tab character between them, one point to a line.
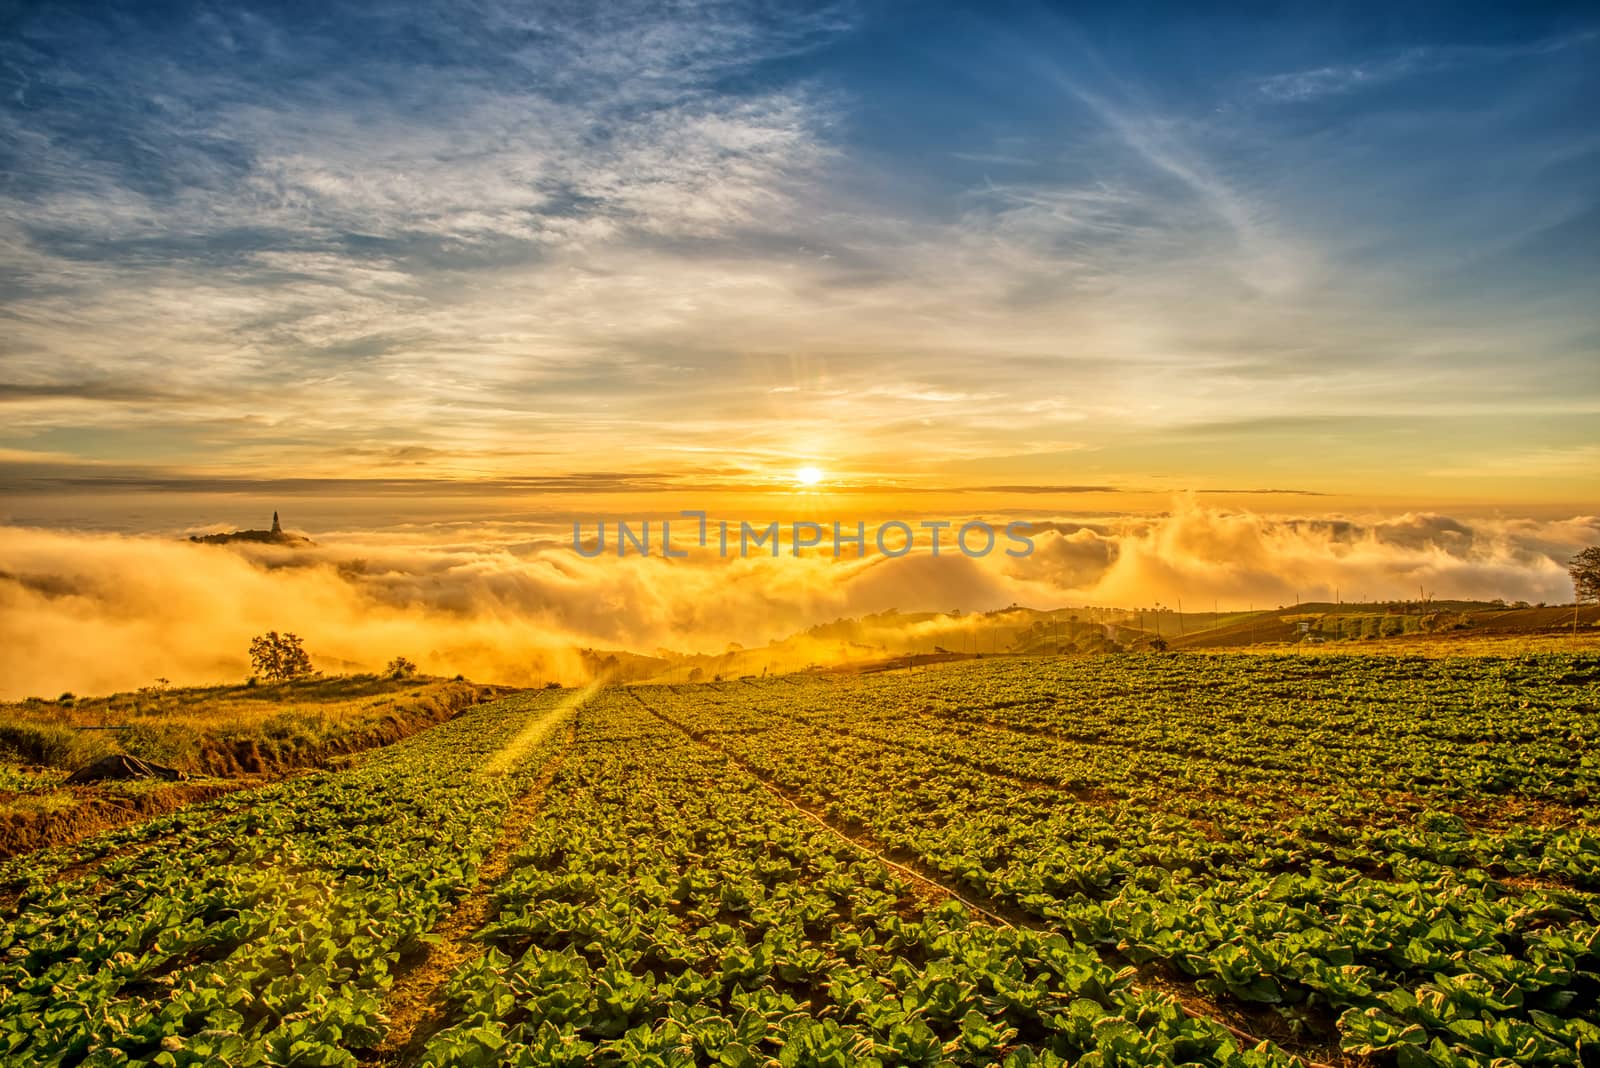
276	536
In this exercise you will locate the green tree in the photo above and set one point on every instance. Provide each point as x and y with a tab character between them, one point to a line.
279	657
1585	571
401	668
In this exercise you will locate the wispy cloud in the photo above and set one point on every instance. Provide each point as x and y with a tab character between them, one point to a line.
1577	462
996	158
1271	261
502	234
1339	78
1345	78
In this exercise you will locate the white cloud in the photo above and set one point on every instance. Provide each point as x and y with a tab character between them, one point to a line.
580	235
509	600
1339	78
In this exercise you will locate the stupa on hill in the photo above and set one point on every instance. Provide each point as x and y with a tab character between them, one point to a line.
276	536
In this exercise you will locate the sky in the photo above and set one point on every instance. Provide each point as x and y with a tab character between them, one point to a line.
549	252
1238	307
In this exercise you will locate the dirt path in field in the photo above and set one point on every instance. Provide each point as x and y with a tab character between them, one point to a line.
415	1003
1247	1029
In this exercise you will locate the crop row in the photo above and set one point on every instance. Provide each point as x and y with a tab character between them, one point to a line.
1414	936
666	909
260	930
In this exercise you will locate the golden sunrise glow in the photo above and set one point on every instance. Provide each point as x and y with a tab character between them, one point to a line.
498	351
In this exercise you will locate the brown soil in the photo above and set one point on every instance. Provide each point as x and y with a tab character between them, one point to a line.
98	808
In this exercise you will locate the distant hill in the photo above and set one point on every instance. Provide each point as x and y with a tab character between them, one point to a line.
891	639
1322	622
276	536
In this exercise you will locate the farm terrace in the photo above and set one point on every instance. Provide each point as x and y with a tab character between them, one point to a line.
1235	861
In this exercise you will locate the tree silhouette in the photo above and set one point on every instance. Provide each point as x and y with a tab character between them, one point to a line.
1585	571
401	668
279	657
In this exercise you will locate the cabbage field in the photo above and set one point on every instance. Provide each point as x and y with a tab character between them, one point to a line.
1235	860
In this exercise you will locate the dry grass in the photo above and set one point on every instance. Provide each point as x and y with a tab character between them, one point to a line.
226	729
247	734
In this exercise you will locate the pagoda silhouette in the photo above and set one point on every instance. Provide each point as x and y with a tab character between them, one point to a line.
276	536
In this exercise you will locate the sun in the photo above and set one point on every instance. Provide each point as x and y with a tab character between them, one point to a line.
808	476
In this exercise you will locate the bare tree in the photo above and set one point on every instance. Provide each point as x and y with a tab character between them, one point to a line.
279	657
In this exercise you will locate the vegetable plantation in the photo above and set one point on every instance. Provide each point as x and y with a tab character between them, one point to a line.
1135	860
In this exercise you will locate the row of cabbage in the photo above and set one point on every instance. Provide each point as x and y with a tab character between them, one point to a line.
264	928
1285	885
665	909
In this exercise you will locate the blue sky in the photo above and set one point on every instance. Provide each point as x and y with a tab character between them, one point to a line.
1346	250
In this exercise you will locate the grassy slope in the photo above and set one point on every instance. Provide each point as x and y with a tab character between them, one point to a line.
225	736
1378	623
228	729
